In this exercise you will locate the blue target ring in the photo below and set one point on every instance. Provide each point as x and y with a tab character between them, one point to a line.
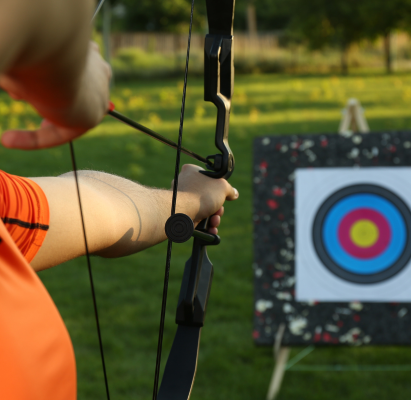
392	224
345	260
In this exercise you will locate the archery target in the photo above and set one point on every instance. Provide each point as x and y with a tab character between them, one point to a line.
360	234
353	234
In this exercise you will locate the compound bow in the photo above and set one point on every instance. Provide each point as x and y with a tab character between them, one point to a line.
181	365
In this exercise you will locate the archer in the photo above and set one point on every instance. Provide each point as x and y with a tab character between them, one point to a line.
46	60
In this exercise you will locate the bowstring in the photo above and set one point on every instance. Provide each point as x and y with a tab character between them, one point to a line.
173	210
90	272
100	4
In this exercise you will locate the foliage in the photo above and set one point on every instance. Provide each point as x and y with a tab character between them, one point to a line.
129	289
131	63
321	22
341	23
167	15
271	15
135	63
383	17
324	23
156	15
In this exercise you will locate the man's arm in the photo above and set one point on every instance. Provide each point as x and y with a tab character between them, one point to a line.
121	217
46	59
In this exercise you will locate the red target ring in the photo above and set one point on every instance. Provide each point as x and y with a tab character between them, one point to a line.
383	233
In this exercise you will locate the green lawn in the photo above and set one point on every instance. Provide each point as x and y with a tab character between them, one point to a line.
129	289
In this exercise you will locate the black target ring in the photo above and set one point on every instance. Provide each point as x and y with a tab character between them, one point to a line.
179	228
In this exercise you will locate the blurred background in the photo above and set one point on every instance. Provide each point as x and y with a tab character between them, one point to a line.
297	63
277	36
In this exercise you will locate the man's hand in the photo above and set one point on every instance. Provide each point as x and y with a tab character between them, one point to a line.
67	121
207	195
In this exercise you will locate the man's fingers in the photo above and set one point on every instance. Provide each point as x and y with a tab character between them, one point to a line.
23	140
94	46
220	212
213	231
48	135
232	194
11	87
214	221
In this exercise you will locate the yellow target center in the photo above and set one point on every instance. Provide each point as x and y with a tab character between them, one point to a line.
364	233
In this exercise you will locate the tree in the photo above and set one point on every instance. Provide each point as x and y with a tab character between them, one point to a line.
270	15
157	15
325	23
383	17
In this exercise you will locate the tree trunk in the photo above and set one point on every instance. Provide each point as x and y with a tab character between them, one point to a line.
344	59
251	19
387	53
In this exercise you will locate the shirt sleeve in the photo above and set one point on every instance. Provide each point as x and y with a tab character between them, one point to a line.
25	213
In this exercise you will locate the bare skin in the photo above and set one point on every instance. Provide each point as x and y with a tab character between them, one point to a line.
54	67
121	217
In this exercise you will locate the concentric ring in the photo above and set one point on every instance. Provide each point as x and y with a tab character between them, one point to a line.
179	228
361	233
382	228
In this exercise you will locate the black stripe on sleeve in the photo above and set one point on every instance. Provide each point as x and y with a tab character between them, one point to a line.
24	224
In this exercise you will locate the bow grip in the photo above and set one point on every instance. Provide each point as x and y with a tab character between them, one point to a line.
196	284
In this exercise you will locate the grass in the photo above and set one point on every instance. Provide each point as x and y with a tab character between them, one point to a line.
129	289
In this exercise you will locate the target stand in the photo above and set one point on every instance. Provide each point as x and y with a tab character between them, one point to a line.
332	242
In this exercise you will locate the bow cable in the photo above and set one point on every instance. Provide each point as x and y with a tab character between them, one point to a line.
173	211
97	9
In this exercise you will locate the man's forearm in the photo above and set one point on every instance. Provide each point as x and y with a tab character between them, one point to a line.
121	217
138	213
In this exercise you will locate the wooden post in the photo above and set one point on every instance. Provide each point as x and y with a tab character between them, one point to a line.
353	119
280	359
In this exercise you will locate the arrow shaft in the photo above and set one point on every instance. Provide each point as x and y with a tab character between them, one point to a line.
157	136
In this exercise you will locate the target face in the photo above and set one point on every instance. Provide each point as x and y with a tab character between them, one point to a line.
361	234
353	234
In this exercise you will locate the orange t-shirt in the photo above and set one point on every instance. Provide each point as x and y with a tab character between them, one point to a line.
36	354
